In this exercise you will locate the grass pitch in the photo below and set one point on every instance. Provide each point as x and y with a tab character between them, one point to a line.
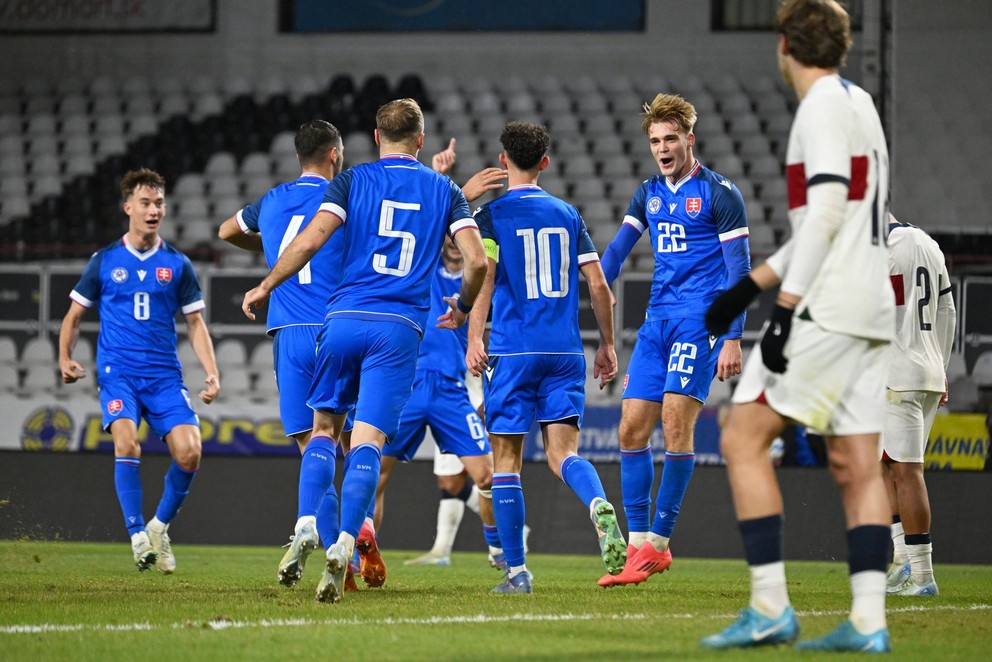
82	601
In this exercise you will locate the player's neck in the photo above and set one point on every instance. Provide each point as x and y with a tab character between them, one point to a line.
517	177
386	148
690	163
142	241
803	78
453	266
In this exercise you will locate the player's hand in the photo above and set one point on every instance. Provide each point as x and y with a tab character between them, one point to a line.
730	360
71	371
730	304
943	396
476	359
454	318
212	389
605	366
257	297
776	335
444	160
487	179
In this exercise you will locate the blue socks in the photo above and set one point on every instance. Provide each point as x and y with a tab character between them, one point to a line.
492	535
636	480
510	513
358	488
177	482
674	481
127	481
579	474
328	526
316	475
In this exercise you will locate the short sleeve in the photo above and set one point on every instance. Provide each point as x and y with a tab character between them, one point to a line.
460	217
190	296
636	216
586	248
248	217
728	210
87	290
336	195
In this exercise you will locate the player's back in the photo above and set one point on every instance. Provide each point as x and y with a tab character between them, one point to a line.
542	243
919	278
837	136
279	216
395	212
687	221
139	295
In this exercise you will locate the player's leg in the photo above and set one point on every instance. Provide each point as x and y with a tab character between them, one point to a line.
168	411
385	473
744	442
643	392
450	510
127	483
909	416
899	569
481	468
853	452
510	510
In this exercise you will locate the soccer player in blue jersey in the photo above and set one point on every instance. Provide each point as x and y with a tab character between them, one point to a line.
535	367
698	229
395	212
296	314
440	397
138	284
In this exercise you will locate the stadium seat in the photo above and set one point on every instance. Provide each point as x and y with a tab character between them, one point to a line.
728	165
199	230
144	124
221	163
224	185
109	125
14	206
231	352
8	351
46	185
39	379
754	146
981	374
256	163
190	184
10	379
13	186
962	395
78	165
107	104
38	351
73	104
579	167
191	207
48	164
256	186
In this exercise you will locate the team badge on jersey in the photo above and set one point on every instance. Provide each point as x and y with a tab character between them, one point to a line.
654	204
115	407
693	206
163	275
119	274
626	379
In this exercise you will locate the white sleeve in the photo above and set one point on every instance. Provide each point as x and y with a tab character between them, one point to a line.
825	206
946	320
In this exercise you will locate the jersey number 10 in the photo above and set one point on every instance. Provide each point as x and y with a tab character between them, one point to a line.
538	263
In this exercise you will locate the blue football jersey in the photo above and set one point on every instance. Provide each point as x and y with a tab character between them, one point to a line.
688	220
138	295
395	212
280	215
542	241
443	350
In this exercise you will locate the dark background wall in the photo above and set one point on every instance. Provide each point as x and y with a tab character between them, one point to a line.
252	501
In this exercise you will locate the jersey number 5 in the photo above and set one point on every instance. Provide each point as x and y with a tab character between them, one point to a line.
538	263
386	214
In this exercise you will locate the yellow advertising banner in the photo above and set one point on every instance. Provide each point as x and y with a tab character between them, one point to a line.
957	441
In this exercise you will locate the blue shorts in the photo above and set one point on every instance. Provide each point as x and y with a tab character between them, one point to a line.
443	404
520	387
294	350
672	356
163	401
367	367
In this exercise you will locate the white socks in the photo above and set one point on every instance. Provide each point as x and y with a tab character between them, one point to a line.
921	563
449	518
769	596
900	555
868	604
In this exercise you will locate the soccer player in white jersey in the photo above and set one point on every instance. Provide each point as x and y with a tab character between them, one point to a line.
397	213
823	359
917	386
139	283
296	315
535	368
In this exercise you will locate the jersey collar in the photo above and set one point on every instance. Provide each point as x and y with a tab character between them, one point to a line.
138	254
525	187
312	175
408	157
673	187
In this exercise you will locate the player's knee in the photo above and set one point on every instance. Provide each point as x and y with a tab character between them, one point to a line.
486	494
634	434
451	484
127	447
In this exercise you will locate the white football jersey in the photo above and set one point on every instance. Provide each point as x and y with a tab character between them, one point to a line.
920	281
837	136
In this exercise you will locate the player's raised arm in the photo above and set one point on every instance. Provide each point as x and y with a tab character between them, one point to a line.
68	336
298	253
487	179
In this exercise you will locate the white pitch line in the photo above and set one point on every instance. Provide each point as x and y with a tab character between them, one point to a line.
224	624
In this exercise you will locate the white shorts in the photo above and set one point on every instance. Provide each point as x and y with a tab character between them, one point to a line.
908	418
446	464
834	383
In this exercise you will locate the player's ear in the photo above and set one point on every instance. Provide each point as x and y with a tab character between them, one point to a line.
545	162
691	139
502	160
420	141
783	45
375	134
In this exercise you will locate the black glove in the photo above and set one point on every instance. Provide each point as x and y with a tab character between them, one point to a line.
730	304
773	342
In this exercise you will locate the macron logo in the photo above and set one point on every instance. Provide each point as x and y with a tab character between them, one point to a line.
684	380
671	207
141	274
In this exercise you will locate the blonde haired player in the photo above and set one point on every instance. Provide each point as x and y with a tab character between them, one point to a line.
917	386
